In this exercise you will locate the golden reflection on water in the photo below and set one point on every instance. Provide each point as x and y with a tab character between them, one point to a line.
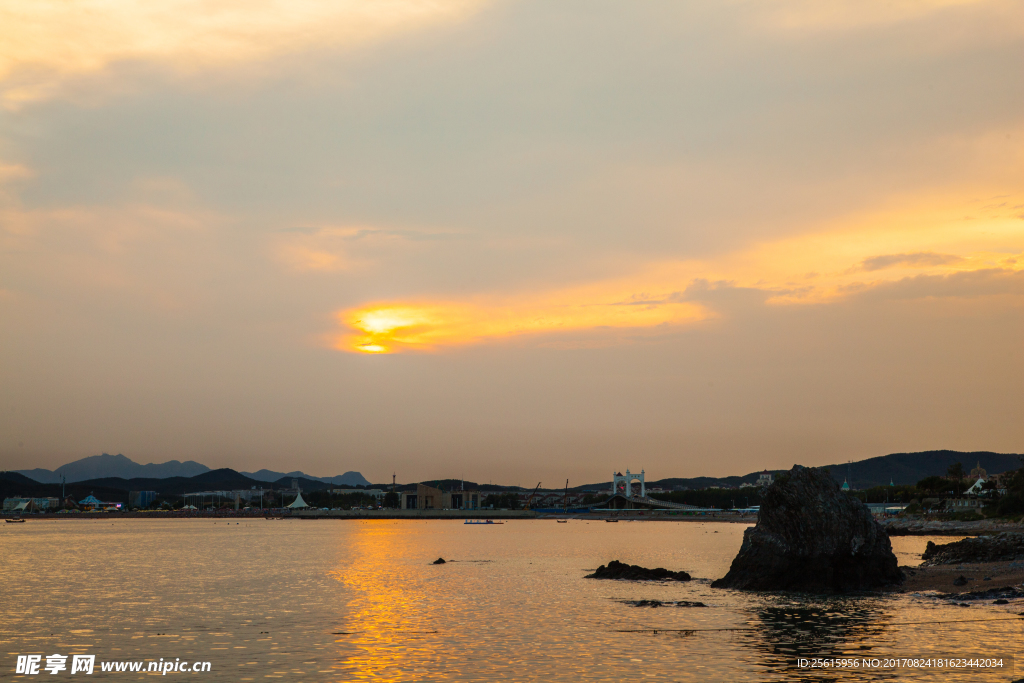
386	620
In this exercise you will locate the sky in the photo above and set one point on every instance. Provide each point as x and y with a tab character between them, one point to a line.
510	241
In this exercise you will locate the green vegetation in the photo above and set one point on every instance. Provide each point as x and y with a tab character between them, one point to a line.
967	516
887	494
716	498
935	485
501	500
1012	503
325	499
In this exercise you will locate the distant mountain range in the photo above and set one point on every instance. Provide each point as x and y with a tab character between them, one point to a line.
116	472
910	468
347	479
899	468
116	488
108	466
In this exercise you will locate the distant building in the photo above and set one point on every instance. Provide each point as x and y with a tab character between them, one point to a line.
91	502
964	503
979	472
220	498
141	499
765	479
430	498
846	485
461	500
1000	481
30	504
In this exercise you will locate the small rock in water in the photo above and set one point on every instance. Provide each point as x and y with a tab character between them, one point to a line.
631	572
439	560
960	580
659	603
1000	601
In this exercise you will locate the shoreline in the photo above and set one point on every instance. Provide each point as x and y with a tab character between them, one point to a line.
503	515
981	576
924	527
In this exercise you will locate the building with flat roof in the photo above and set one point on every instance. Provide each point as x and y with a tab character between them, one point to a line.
430	498
141	499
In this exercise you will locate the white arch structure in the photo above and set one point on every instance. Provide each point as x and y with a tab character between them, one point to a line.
622	483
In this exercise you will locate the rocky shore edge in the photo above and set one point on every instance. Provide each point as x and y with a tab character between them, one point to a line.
920	527
1003	547
968	579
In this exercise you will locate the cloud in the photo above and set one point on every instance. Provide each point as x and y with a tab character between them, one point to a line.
387	327
814	267
50	40
838	15
969	285
918	260
332	249
9	172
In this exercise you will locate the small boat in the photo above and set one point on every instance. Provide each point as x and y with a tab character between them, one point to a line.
16	520
562	521
481	521
611	520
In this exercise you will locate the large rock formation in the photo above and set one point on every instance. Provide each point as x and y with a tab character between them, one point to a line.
812	537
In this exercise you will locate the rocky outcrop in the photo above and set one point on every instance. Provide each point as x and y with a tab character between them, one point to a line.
439	560
812	537
631	572
1004	547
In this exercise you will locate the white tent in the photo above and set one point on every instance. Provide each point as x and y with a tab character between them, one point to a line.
298	502
975	488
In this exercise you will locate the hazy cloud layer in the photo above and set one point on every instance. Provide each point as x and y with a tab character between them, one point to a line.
701	238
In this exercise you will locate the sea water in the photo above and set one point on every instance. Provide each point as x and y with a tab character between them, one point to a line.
352	600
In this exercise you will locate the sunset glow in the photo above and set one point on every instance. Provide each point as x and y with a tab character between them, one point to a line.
934	238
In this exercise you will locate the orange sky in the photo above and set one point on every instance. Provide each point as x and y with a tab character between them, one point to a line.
510	240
